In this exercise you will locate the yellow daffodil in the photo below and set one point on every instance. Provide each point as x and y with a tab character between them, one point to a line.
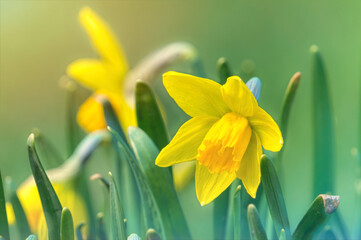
225	135
30	201
103	75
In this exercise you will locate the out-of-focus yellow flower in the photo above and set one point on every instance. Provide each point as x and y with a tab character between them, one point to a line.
30	200
225	135
105	75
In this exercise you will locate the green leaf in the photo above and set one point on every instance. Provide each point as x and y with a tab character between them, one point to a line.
161	185
152	235
116	212
323	167
256	229
317	215
230	221
224	70
286	109
31	237
129	194
237	213
49	200
220	210
102	235
111	117
66	225
4	226
273	192
149	117
20	217
151	218
78	232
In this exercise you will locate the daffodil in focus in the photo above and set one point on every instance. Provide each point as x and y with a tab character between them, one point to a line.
103	76
225	134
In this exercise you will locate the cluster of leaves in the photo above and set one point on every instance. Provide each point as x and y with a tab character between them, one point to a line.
143	202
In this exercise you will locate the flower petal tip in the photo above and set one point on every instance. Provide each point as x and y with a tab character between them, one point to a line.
203	203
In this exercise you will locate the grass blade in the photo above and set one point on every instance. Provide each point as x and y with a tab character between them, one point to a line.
224	70
286	109
220	210
4	226
322	128
116	212
256	229
273	192
237	213
67	225
161	185
149	117
321	208
20	217
49	200
129	194
152	218
230	222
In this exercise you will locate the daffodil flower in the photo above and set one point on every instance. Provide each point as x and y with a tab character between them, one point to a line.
103	75
65	183
110	75
225	134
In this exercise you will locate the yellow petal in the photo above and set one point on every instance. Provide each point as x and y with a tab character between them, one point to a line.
196	96
249	171
91	115
103	38
184	145
95	74
238	97
267	129
211	185
30	200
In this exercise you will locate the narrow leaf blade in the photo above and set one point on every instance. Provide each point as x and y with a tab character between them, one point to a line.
149	117
316	216
274	196
160	181
49	200
116	212
224	70
323	128
256	229
67	225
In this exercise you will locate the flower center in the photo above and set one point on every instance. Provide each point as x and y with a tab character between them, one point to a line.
225	143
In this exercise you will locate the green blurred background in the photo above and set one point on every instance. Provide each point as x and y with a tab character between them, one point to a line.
38	39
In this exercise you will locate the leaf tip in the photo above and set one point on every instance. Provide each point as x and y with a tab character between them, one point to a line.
30	141
330	202
314	49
